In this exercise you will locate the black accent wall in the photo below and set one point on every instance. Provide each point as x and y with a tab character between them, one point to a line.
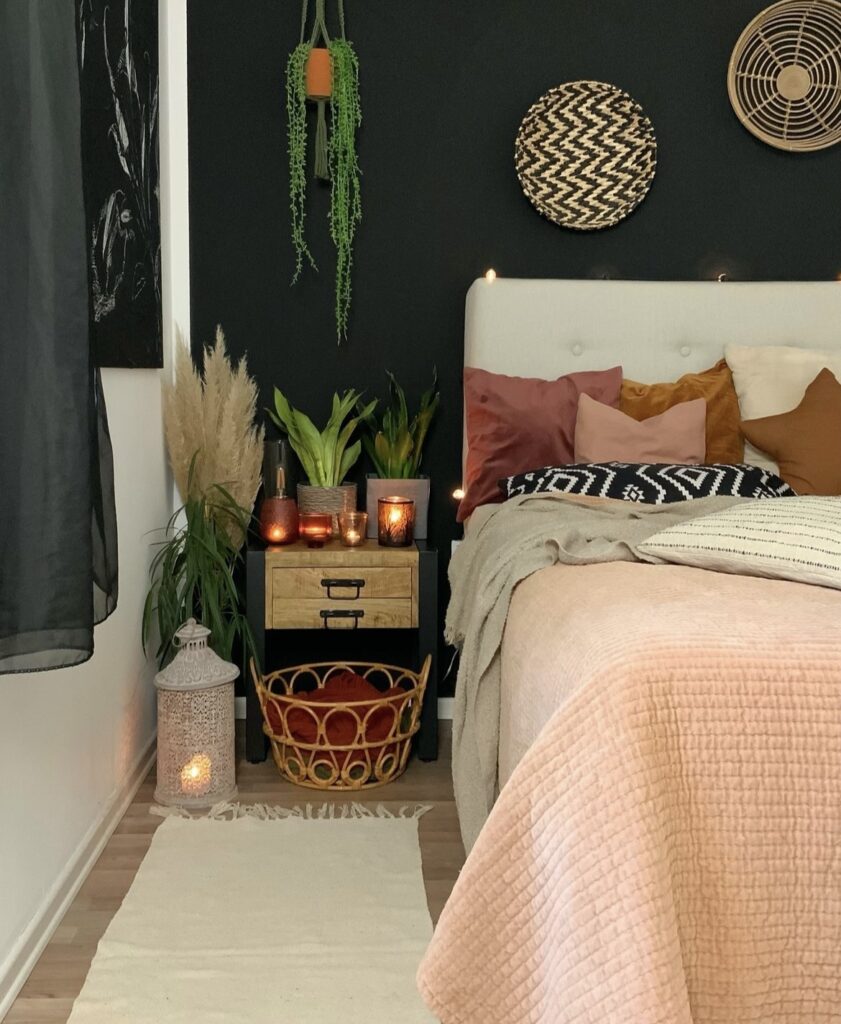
445	84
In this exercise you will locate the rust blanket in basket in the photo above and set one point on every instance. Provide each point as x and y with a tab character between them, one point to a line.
668	851
341	726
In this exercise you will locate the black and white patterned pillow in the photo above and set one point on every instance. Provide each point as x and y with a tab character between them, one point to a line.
649	483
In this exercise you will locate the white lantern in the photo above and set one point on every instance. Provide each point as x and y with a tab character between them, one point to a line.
196	726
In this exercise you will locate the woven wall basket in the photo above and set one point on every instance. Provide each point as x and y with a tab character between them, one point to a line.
585	155
784	77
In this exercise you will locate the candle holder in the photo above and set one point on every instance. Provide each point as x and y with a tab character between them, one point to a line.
315	528
352	528
196	743
279	520
395	522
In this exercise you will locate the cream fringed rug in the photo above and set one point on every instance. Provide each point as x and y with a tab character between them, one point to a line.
264	915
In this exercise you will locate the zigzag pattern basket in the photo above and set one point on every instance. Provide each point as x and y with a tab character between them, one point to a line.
365	763
585	155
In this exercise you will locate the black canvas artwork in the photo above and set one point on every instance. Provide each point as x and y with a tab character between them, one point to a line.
118	60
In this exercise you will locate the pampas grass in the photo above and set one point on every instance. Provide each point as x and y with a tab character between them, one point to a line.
210	418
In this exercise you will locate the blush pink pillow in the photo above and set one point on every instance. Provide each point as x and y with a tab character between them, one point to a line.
678	435
514	424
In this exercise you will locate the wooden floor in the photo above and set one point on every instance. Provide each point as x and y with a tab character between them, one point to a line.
47	997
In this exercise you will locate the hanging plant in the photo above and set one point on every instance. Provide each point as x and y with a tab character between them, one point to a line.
326	74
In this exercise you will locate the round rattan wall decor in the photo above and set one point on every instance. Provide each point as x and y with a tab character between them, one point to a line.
585	155
784	77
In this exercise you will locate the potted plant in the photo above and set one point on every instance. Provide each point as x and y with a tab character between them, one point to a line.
327	75
326	456
395	447
215	450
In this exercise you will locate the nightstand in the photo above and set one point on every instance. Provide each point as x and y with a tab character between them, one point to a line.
296	587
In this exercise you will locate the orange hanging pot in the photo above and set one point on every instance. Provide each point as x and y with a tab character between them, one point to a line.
319	74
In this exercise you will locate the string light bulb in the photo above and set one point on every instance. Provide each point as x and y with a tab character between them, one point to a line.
490	275
458	494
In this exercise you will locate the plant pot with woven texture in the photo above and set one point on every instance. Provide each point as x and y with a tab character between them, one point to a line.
331	500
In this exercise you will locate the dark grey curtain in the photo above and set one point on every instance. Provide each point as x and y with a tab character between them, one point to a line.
58	540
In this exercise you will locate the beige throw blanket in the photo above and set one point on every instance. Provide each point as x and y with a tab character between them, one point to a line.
504	545
668	850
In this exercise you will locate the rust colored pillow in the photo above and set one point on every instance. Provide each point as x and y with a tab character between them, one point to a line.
514	424
806	442
715	386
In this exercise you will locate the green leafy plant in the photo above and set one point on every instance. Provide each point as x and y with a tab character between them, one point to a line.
395	445
192	575
327	456
335	157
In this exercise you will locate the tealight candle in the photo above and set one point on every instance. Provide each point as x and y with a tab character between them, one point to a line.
279	520
196	775
315	528
395	522
352	528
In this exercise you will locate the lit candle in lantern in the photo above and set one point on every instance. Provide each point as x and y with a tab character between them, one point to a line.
315	528
395	522
196	775
352	528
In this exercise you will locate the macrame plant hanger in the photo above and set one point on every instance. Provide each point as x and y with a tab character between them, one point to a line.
319	79
322	70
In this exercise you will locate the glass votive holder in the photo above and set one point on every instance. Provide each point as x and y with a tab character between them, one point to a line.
395	522
352	528
315	528
279	520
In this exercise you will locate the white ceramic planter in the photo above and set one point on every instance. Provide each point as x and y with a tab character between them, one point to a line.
417	490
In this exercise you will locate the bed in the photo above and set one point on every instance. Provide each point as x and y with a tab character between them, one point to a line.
666	740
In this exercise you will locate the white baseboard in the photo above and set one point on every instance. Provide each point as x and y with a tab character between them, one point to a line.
18	966
445	708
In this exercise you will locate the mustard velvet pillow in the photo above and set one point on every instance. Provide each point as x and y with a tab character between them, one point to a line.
806	442
723	433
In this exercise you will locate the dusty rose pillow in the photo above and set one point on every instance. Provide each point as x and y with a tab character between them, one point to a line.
516	423
678	435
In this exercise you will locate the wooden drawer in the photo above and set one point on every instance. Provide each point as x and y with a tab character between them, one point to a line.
364	613
340	583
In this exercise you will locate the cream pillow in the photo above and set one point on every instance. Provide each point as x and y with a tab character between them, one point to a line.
770	379
779	538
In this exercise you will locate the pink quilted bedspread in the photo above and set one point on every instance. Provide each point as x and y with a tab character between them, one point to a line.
668	851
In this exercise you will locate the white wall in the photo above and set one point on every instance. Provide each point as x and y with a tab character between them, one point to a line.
72	741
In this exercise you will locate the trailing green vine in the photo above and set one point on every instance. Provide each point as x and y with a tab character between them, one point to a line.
296	109
346	192
341	165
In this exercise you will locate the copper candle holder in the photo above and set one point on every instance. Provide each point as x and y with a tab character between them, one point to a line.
315	528
279	520
352	528
395	522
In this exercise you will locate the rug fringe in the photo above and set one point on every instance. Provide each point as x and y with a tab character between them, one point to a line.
309	811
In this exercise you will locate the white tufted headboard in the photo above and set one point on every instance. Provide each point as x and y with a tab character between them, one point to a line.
656	330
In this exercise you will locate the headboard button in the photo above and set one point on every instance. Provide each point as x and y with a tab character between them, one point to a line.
577	348
685	350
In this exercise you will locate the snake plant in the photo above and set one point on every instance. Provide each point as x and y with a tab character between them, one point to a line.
327	455
395	445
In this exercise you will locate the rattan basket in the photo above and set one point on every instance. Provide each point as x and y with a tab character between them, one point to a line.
369	760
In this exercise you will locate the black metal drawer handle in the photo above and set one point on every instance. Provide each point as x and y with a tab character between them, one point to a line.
356	585
341	613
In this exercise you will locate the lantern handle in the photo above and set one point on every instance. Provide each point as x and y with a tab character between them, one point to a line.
176	640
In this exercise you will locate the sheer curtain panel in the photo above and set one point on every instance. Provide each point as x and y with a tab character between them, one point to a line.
58	539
